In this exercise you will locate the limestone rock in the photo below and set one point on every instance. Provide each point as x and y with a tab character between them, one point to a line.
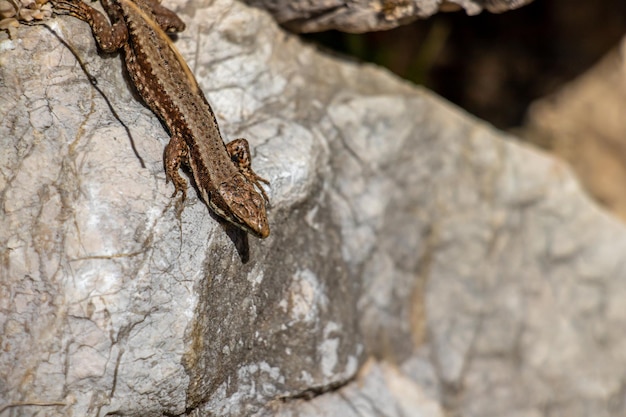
420	262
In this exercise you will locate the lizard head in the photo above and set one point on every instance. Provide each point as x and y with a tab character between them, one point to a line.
246	207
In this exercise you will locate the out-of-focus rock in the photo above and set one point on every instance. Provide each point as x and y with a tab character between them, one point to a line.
585	123
358	16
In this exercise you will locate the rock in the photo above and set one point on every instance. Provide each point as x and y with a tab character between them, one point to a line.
420	262
359	16
584	124
381	390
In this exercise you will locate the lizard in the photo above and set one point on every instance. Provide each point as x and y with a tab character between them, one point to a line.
222	172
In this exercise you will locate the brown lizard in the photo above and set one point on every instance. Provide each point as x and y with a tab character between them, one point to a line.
222	172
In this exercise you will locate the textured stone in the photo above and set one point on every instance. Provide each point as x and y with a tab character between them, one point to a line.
417	255
358	16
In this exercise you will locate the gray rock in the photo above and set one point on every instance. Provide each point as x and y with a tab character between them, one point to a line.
359	16
420	262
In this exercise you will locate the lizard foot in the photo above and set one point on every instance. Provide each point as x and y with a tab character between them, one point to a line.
239	151
175	154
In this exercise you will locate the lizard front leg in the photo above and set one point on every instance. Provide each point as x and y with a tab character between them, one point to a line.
239	152
112	36
164	17
175	154
109	37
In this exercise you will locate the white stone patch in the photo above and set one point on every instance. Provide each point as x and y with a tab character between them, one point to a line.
351	366
8	44
328	350
306	378
328	354
263	379
306	297
310	218
246	371
255	277
273	371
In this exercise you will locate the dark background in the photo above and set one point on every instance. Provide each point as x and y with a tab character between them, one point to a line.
494	65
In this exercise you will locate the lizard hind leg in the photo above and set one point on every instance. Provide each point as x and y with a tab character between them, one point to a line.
239	152
175	154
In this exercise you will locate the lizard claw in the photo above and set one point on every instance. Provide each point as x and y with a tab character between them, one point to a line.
239	151
256	180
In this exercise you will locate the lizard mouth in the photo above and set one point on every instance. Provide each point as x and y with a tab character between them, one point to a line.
260	228
256	225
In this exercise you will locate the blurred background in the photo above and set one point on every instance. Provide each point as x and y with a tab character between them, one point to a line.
493	65
552	72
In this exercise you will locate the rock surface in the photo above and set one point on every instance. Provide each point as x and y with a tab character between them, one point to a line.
420	262
359	16
584	123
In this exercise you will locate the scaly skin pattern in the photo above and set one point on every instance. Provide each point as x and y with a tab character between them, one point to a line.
222	173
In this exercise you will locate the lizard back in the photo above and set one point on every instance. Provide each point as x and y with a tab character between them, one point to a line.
167	85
